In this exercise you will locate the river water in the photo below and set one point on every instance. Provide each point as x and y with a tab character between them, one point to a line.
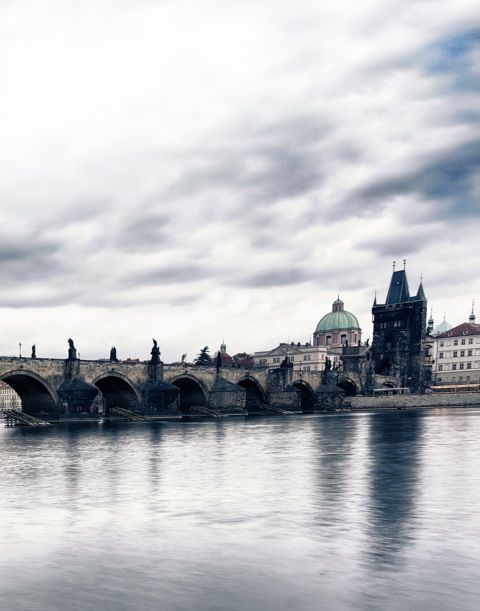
377	511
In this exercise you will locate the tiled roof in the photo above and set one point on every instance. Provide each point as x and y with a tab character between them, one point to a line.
466	328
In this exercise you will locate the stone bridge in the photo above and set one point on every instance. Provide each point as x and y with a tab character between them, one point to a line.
58	389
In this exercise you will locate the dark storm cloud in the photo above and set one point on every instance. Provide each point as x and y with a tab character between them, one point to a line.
403	241
28	258
142	232
173	273
272	277
275	161
447	178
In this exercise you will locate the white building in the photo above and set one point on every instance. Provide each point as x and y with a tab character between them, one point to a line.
8	398
304	357
456	354
335	330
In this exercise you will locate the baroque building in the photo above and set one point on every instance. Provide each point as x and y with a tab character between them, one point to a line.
399	334
8	397
336	329
303	357
456	353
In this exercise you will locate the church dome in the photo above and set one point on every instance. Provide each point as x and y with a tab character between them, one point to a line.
337	319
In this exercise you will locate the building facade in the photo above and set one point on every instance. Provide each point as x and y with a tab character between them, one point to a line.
456	354
9	398
303	357
337	329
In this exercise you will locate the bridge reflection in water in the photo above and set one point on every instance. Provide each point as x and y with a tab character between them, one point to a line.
60	389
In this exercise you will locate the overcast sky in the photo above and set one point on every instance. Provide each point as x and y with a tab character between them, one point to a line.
205	170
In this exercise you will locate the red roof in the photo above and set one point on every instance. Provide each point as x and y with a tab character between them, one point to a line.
466	328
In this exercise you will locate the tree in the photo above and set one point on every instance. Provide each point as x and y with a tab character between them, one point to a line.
203	358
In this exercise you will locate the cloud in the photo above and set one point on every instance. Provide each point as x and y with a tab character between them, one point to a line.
201	170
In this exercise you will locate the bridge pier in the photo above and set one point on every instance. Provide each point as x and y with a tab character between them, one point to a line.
227	398
280	391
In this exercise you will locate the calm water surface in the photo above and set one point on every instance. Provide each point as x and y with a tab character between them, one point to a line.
344	511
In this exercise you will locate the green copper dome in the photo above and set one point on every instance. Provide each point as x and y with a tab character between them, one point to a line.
337	319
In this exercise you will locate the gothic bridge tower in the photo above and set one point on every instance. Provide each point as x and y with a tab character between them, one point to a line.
399	333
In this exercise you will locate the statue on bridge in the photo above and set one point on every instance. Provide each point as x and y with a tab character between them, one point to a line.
34	352
113	355
72	352
155	353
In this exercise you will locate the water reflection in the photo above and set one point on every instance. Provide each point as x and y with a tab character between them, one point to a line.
394	468
343	511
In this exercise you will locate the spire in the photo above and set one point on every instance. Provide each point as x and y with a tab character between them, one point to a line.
431	323
421	293
398	291
223	347
471	318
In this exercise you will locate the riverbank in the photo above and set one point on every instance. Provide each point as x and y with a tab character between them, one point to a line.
466	399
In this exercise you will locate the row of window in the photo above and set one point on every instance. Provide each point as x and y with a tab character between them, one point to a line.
279	359
455	342
455	366
453	379
446	355
391	323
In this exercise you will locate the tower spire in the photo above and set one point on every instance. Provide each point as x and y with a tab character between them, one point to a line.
471	318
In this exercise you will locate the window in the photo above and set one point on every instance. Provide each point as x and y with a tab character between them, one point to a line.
440	355
461	366
460	379
442	344
463	342
455	354
469	353
307	357
454	366
468	378
276	359
469	365
470	340
440	368
455	342
329	340
462	352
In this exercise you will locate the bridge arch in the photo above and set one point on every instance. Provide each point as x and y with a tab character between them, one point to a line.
192	392
118	391
38	397
349	387
307	395
254	395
